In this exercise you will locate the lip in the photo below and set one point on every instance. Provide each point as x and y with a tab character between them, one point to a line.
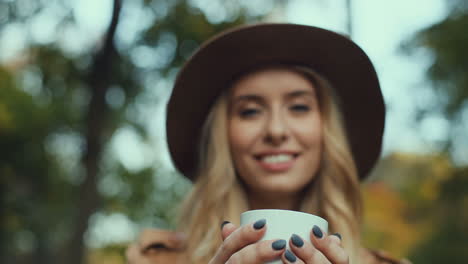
279	166
276	152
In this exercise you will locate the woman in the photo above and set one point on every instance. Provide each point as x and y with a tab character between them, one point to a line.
271	116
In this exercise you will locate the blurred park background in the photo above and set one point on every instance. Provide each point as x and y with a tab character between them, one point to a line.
83	86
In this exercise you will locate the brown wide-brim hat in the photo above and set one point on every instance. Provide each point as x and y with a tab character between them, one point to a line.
219	60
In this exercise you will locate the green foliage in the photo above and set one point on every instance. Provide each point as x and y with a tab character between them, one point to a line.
446	42
448	243
44	102
28	170
426	197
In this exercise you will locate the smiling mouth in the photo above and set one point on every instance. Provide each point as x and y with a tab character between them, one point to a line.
277	162
276	158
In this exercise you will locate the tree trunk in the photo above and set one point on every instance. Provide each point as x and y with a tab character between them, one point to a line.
99	81
349	14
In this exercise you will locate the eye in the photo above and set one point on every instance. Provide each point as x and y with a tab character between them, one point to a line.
248	112
299	108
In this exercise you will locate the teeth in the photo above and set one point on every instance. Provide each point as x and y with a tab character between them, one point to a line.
277	158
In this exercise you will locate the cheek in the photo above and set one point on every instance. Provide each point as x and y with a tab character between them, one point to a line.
311	139
235	138
310	132
240	142
242	135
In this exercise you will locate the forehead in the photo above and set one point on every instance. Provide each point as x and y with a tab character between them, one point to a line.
271	81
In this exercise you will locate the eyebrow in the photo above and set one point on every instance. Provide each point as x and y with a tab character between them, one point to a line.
258	98
248	97
300	93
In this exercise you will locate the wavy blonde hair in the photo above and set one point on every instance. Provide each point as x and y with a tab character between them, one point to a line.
217	194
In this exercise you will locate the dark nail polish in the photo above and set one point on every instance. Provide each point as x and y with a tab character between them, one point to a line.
259	224
278	244
317	231
224	223
290	256
338	235
297	241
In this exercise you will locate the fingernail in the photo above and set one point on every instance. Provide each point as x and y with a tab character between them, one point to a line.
278	244
317	232
224	223
297	241
290	256
338	235
259	224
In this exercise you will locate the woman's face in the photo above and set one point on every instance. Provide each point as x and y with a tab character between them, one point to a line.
275	131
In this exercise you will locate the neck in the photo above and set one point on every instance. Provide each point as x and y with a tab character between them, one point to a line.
260	200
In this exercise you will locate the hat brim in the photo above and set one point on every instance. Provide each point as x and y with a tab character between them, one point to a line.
214	65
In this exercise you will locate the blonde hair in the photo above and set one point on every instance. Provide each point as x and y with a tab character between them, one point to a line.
217	194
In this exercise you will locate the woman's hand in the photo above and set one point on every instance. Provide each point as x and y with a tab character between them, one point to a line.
324	249
241	245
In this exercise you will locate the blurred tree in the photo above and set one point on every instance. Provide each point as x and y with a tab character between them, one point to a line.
386	229
28	174
416	208
401	197
349	18
446	43
448	243
61	107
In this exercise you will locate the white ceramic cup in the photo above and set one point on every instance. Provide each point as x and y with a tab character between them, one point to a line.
282	224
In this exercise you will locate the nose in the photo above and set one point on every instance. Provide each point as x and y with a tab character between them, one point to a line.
276	129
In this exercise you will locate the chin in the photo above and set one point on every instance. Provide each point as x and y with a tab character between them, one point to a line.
284	185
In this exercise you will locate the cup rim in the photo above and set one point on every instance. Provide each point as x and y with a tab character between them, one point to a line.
282	210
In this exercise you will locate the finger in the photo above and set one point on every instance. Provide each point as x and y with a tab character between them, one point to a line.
238	239
260	252
329	245
336	237
306	252
226	229
289	257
